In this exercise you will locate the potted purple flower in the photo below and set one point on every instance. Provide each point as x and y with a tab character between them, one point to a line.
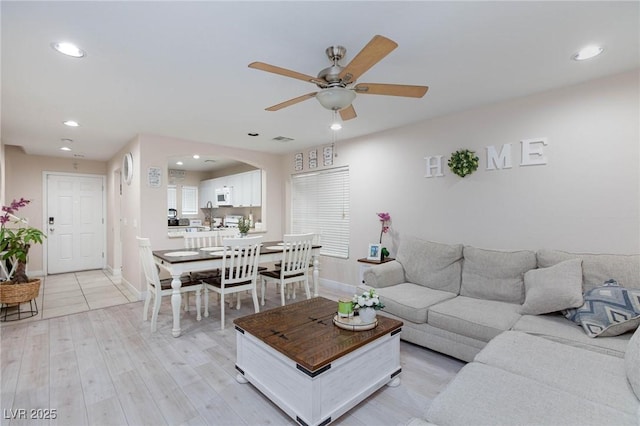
385	218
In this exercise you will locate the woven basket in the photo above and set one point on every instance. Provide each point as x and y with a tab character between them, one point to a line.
11	294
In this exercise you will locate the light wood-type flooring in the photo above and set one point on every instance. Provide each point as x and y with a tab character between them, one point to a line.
104	367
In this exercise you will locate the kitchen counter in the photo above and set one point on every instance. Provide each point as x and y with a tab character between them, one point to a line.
179	231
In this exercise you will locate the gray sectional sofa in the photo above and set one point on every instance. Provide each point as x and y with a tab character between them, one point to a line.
499	311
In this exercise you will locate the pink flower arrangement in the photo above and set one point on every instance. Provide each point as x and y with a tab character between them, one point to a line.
385	218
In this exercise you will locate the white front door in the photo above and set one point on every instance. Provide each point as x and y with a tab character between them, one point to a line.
75	223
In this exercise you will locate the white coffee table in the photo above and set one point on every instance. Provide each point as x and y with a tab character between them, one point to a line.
314	371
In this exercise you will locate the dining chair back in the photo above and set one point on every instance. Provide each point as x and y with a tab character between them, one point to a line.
227	233
196	240
199	240
294	266
157	288
239	273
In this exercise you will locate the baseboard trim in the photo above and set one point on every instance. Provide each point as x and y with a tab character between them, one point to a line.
337	285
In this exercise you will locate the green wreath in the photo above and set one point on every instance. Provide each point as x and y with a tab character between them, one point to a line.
463	162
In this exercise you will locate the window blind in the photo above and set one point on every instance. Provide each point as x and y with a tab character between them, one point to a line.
320	204
189	200
172	199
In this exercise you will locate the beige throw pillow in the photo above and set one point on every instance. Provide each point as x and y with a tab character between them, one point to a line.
553	289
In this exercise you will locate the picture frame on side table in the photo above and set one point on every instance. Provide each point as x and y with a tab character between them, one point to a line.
375	252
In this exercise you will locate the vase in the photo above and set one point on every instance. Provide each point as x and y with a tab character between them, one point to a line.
367	315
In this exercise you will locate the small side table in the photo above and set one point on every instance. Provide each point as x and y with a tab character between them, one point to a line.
365	264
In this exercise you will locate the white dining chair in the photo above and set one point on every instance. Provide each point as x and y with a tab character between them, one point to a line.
239	273
294	266
227	233
197	240
157	288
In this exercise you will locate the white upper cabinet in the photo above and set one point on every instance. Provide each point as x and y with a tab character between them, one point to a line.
246	189
206	193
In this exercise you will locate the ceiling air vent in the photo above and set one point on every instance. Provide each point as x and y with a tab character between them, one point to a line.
282	139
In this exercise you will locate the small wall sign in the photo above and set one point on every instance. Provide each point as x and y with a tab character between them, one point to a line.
154	177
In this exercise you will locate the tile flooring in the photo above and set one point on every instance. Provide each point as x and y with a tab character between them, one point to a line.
75	292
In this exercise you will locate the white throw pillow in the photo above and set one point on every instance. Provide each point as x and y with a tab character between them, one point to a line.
553	289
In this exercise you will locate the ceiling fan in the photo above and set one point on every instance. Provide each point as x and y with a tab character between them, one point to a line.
337	83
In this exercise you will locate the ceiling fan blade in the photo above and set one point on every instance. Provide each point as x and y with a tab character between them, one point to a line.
391	90
348	113
287	73
371	54
291	101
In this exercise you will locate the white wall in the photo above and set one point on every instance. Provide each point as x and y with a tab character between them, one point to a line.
585	199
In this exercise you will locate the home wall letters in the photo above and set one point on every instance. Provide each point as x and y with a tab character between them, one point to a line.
531	154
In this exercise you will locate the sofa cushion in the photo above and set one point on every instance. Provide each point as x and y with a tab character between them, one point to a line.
598	268
590	375
632	363
476	318
482	394
495	275
411	301
554	288
559	329
608	310
430	264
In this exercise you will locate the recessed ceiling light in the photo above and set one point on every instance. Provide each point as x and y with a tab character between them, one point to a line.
65	148
179	163
196	156
71	123
68	49
336	126
588	53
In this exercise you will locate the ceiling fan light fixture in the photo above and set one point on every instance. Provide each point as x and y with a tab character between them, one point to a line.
335	98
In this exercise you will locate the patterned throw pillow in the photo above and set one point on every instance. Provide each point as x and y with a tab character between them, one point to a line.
608	310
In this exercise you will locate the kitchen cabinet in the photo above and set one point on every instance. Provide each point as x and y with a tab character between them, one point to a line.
207	192
246	189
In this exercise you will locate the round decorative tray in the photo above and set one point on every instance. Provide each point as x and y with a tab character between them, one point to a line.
354	323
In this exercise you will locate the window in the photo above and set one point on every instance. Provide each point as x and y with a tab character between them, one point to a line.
320	204
172	199
189	200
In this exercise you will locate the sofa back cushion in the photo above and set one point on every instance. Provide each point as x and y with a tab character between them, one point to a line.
632	362
598	268
434	265
495	275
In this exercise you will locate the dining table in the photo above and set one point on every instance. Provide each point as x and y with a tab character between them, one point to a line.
183	261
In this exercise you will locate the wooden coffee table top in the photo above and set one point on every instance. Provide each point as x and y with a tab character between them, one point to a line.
305	332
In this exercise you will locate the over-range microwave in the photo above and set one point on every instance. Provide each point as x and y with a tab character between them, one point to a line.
224	196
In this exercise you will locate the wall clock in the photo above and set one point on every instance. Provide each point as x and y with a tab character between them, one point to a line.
127	167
